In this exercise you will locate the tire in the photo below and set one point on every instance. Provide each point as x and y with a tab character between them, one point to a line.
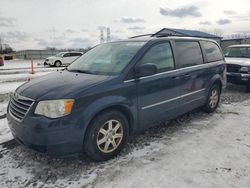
213	99
248	87
111	130
57	64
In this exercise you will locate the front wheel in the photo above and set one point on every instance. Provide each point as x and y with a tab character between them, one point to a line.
106	136
212	99
57	64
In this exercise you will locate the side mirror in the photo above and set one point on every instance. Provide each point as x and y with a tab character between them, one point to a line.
145	70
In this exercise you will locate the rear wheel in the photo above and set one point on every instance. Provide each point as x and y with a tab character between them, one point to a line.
212	99
106	136
248	87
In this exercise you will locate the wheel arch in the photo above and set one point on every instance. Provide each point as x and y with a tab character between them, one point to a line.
103	105
216	80
120	108
57	60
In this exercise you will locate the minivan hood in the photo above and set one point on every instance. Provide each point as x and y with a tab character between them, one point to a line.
58	85
238	61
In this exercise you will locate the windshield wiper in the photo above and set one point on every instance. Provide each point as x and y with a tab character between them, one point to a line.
80	71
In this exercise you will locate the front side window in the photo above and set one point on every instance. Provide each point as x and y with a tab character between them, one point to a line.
160	55
60	54
242	52
212	51
107	58
66	55
188	53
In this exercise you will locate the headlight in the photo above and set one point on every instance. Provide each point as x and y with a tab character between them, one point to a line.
244	69
54	108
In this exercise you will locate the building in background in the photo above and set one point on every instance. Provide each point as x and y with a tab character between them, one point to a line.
227	42
43	54
35	54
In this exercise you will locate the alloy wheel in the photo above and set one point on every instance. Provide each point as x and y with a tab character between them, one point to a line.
213	99
110	136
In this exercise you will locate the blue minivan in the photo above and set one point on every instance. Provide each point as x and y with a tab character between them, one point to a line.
114	90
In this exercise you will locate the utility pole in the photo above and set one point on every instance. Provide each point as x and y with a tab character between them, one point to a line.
108	34
54	31
101	36
1	47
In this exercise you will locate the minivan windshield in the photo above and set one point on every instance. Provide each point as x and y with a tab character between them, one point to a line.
106	59
241	52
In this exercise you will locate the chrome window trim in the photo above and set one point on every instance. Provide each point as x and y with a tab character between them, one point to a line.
180	69
172	99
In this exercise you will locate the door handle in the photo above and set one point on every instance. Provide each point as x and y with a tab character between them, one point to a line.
187	76
176	77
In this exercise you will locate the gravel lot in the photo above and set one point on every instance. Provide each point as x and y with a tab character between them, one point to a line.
194	150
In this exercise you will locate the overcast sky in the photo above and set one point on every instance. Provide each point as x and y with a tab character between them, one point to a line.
36	24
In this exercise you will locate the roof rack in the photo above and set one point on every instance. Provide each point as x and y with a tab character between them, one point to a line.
162	35
153	35
144	35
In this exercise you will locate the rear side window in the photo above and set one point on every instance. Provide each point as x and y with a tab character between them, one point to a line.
188	53
75	54
212	51
160	55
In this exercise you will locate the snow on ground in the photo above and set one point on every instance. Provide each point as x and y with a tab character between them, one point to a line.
5	134
12	75
20	64
213	152
8	87
20	77
28	70
194	150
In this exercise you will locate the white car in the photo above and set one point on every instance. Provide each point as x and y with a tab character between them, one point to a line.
238	64
62	58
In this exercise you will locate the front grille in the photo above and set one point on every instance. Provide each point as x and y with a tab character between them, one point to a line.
233	68
19	106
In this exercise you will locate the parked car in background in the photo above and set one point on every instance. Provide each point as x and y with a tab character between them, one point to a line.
1	61
8	57
114	90
63	58
238	64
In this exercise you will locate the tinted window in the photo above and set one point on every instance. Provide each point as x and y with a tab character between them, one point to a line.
212	51
75	54
237	52
188	53
66	55
160	55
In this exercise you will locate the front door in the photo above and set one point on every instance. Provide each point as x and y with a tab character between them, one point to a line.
158	94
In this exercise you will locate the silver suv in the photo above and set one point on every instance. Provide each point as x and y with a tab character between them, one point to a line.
238	64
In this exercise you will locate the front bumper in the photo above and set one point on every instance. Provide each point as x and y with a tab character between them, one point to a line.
58	137
238	78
